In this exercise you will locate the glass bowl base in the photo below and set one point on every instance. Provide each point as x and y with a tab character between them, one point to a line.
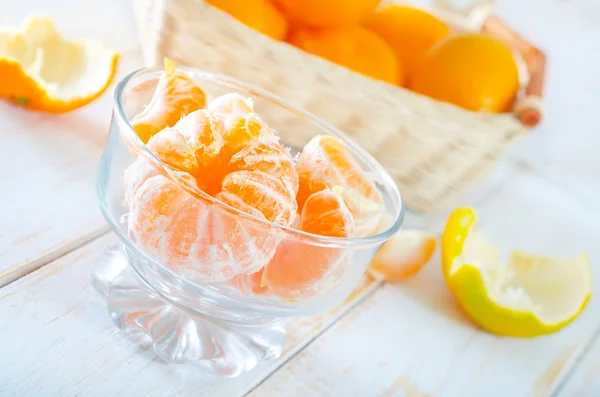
179	334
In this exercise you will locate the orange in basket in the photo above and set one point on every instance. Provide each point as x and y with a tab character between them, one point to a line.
411	32
260	15
474	71
176	95
354	47
296	267
325	162
327	13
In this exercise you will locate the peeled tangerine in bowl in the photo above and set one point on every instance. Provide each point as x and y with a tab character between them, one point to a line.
528	296
325	162
184	231
222	234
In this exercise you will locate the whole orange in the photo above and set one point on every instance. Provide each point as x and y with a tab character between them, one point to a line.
327	13
473	71
410	31
353	47
260	15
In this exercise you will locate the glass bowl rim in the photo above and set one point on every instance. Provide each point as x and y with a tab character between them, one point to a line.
218	78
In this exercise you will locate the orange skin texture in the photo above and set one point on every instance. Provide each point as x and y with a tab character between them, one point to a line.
296	266
259	15
354	47
327	13
176	95
324	163
24	91
473	71
411	32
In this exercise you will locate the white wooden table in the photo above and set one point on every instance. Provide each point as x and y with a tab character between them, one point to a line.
386	340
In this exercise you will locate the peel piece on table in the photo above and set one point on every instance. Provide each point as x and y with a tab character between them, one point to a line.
403	255
528	296
42	71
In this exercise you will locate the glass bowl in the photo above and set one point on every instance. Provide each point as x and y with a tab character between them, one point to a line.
217	320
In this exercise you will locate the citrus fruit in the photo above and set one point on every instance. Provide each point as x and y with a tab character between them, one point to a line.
403	255
327	13
203	142
528	296
250	284
255	175
260	15
175	96
228	106
262	177
192	236
297	265
192	145
410	31
473	71
354	47
325	162
40	70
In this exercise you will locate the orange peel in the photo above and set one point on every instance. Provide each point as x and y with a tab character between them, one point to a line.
42	71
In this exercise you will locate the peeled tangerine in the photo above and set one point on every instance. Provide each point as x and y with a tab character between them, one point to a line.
195	235
176	95
203	142
297	268
530	295
40	70
325	162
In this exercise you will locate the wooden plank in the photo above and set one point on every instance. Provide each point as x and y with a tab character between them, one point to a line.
585	377
413	340
63	343
47	186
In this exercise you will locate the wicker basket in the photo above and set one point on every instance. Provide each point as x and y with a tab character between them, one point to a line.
433	150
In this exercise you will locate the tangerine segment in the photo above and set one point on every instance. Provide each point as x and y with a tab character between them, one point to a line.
261	191
231	104
176	95
297	265
136	175
250	283
194	237
326	162
192	145
262	176
268	156
203	142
